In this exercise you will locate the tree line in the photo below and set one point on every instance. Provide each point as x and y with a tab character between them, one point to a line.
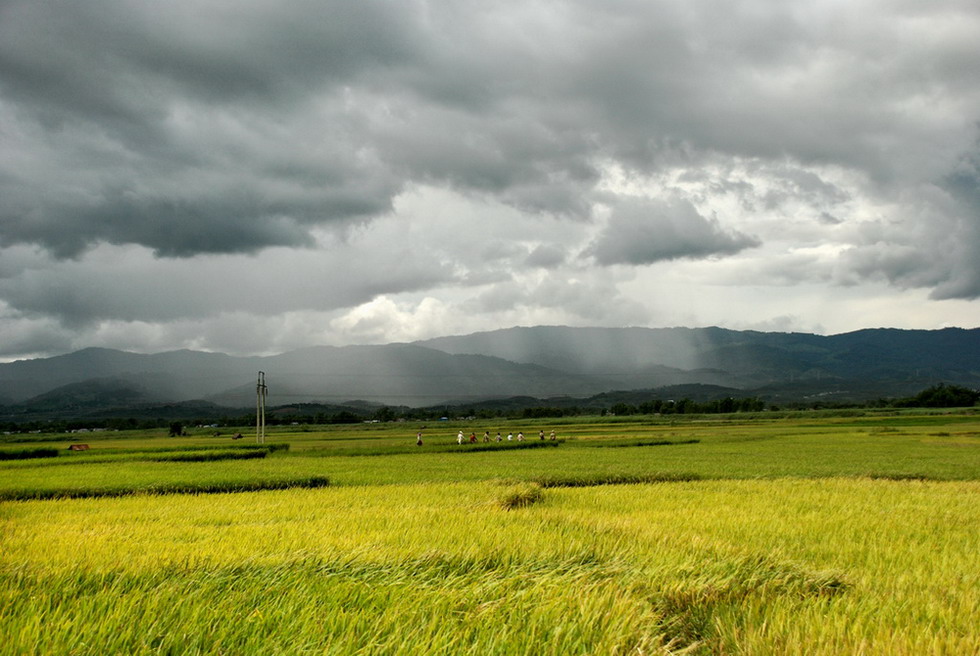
937	396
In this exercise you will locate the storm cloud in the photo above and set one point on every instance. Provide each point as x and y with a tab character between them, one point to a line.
644	232
442	153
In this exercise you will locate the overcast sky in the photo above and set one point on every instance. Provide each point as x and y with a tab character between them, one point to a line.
255	176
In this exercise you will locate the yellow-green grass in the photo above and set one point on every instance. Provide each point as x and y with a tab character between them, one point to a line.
787	566
158	452
931	448
137	477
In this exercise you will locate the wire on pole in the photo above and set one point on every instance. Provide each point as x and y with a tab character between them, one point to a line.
261	392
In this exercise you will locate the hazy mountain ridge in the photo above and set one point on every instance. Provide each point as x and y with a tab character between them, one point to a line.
748	357
540	362
397	374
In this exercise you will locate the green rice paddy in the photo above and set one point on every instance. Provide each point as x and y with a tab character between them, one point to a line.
788	534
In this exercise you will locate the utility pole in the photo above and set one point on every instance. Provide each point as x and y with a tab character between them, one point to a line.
261	392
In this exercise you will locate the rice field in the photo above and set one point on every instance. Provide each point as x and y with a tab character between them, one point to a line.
800	535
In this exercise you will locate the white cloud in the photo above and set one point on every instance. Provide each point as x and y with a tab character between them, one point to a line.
383	320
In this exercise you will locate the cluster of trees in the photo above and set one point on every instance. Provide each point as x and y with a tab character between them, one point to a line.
69	425
937	396
941	396
277	418
689	407
174	427
948	396
651	407
540	412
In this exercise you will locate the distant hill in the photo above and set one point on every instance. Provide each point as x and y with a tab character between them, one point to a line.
175	375
101	393
536	363
107	398
630	358
396	374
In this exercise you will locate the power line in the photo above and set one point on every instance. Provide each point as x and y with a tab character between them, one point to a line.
261	392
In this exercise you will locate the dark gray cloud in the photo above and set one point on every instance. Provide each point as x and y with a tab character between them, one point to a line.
963	238
931	240
546	256
125	284
188	128
40	336
113	59
644	231
320	112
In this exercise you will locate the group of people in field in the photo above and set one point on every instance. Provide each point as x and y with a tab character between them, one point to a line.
472	439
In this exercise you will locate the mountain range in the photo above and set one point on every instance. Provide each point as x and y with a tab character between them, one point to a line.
541	362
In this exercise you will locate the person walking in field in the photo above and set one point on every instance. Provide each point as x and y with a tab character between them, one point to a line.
541	434
520	436
459	438
486	436
552	434
498	438
510	436
472	438
418	441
